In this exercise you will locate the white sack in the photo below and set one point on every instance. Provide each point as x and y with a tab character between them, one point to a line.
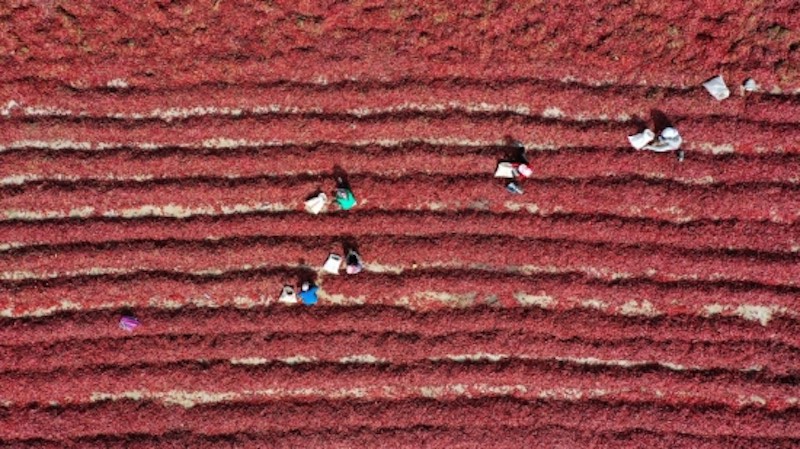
333	264
504	170
287	295
316	204
717	88
641	139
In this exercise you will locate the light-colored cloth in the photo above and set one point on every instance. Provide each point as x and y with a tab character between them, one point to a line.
511	170
750	85
525	170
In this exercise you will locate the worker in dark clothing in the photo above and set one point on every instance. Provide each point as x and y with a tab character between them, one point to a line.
354	264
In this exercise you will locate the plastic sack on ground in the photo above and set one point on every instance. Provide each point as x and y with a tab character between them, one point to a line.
717	88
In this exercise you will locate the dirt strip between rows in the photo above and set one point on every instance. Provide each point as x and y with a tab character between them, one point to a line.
558	100
417	289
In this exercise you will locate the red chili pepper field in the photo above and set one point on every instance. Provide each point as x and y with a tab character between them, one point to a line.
154	163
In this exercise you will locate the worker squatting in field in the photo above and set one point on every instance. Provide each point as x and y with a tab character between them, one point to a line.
514	170
344	195
353	262
668	140
308	293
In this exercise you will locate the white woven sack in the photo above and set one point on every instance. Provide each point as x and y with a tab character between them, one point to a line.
641	139
717	88
316	204
504	170
333	264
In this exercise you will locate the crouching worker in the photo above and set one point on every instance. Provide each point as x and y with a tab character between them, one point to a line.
354	264
308	293
344	196
516	171
668	140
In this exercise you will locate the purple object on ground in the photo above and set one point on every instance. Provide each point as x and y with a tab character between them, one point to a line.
128	323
